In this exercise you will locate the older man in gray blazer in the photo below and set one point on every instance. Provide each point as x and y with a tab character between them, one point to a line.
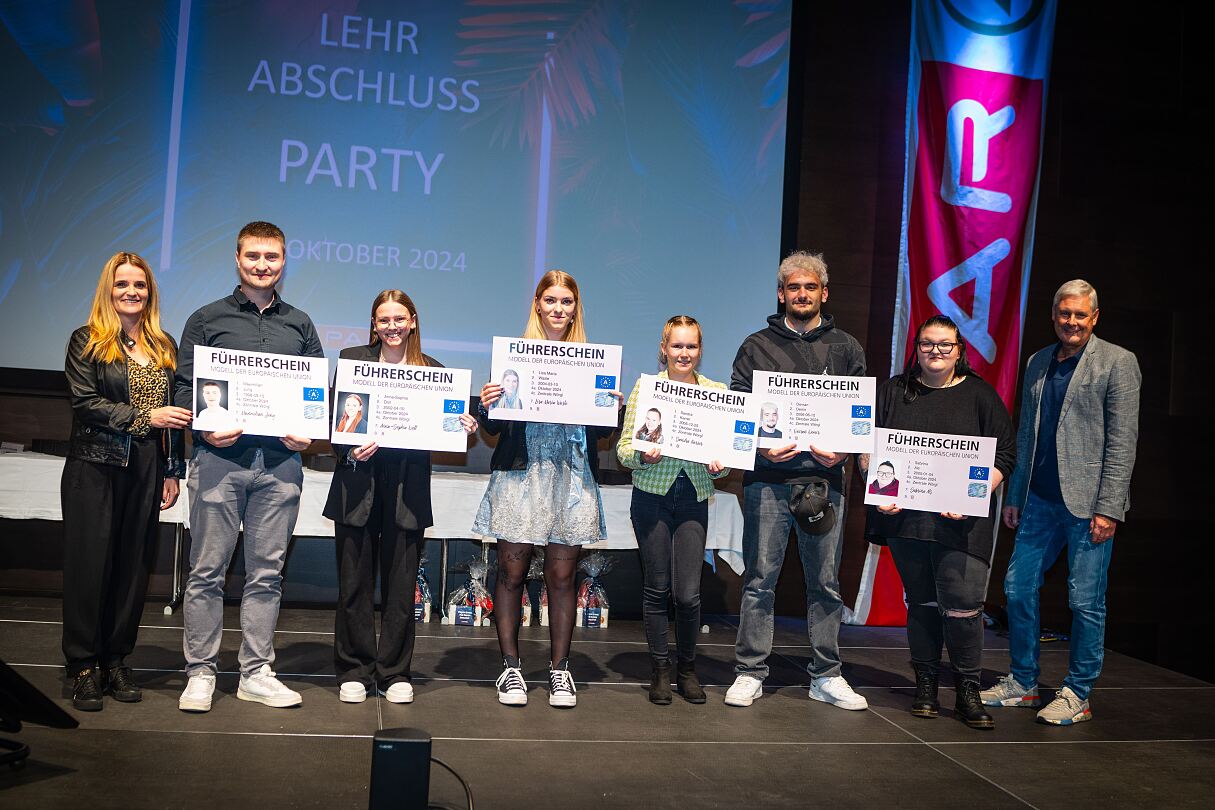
1075	451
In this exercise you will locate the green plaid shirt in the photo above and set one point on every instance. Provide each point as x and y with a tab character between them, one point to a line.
657	478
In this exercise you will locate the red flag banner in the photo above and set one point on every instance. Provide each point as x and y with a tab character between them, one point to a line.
975	108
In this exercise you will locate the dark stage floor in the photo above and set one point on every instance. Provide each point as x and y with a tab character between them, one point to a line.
1152	740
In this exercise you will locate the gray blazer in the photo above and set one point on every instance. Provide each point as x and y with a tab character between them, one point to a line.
1098	427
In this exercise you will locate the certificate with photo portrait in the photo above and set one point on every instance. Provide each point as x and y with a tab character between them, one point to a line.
411	407
834	414
556	381
932	472
260	393
696	422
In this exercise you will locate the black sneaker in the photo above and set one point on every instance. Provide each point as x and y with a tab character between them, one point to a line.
512	690
86	693
561	690
121	685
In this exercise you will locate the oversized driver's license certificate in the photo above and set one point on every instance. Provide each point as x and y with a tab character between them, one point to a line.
412	407
932	472
835	414
555	381
696	422
262	394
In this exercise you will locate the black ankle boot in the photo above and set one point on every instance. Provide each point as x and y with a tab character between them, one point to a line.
660	684
121	685
687	682
969	707
86	692
925	703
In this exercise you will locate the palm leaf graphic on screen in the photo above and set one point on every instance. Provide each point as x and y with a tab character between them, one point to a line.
524	53
767	44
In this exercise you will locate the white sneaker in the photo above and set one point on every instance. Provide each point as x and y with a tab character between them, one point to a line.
197	695
400	692
561	690
263	687
512	689
836	691
745	690
352	692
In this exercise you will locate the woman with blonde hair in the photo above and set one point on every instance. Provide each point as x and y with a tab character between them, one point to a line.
124	462
543	491
379	502
670	513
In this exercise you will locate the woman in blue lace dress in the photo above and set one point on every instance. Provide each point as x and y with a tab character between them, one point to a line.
543	491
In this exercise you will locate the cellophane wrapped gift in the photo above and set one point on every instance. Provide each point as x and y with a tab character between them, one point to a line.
592	596
421	594
471	604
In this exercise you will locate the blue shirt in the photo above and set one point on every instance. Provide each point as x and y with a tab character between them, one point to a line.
1044	478
234	322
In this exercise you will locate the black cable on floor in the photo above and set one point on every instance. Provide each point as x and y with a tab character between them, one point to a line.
467	790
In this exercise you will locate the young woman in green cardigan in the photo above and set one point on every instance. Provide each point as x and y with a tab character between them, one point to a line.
670	513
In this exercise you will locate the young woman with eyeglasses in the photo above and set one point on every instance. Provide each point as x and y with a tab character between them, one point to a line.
943	558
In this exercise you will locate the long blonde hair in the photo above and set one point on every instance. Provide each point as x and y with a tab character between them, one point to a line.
413	343
105	330
575	332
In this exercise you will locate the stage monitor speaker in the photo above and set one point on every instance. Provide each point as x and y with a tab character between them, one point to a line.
400	769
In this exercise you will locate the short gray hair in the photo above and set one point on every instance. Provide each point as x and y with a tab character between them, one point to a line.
1074	289
802	261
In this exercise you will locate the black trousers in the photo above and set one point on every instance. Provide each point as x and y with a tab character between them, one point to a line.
360	551
111	516
670	532
945	589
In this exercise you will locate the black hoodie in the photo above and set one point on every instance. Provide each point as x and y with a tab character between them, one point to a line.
822	350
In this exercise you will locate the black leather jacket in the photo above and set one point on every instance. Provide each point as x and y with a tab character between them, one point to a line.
102	415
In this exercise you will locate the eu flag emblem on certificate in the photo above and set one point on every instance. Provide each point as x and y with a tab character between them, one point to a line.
980	473
314	394
453	406
747	428
862	411
605	381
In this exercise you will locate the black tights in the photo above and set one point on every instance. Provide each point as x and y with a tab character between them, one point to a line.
560	570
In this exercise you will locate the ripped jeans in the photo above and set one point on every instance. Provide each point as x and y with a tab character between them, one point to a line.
945	588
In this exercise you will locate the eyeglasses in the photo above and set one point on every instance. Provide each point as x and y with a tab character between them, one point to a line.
928	347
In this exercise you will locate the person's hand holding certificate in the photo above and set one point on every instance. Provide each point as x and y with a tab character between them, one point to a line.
828	413
414	407
931	472
260	394
695	423
555	381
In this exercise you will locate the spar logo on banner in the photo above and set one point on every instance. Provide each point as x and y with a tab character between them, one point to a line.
976	95
976	172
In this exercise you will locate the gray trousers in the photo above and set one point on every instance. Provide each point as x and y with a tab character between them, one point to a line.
766	524
223	495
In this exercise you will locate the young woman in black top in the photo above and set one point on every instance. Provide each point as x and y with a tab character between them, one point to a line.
944	558
379	502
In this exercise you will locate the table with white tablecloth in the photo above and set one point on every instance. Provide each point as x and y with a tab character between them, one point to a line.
29	490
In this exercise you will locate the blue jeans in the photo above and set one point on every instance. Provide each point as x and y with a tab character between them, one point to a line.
766	522
1045	529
